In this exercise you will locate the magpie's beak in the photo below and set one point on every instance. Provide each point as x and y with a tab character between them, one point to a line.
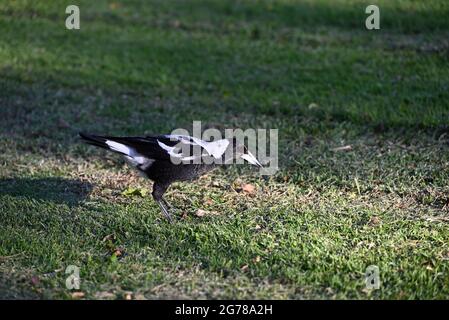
251	159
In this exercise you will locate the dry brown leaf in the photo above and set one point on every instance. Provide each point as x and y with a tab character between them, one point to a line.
118	252
109	237
104	295
202	213
35	280
63	124
176	23
371	245
78	295
156	288
374	221
343	148
248	188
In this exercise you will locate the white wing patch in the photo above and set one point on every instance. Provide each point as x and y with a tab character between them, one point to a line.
217	148
119	147
172	153
170	150
187	140
131	156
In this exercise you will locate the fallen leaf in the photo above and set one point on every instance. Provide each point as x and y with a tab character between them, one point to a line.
63	124
104	295
176	23
202	213
371	245
329	291
118	252
367	290
244	268
248	188
343	148
109	237
78	295
237	185
445	256
135	192
35	280
374	221
156	288
413	243
256	259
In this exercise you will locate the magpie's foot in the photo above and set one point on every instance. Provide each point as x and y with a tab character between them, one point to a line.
168	205
165	210
175	211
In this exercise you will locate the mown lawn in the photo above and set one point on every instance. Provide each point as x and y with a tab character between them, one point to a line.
308	68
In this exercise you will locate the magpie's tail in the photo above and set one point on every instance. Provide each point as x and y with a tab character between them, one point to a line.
94	140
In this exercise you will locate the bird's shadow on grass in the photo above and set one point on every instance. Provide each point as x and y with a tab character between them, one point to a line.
58	190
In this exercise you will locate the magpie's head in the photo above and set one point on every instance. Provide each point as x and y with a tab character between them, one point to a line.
240	151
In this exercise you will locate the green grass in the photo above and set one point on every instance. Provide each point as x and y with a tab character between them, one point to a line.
308	68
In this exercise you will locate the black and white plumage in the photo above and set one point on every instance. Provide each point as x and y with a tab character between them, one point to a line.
168	158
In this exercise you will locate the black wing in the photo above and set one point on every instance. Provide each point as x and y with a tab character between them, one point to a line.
160	147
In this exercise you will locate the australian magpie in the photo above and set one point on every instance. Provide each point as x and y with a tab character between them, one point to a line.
168	158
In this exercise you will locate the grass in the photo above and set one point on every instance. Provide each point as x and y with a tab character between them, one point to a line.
308	68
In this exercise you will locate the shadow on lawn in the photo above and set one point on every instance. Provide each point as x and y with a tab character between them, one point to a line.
16	288
58	190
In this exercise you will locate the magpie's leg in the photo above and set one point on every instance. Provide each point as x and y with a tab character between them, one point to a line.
158	192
